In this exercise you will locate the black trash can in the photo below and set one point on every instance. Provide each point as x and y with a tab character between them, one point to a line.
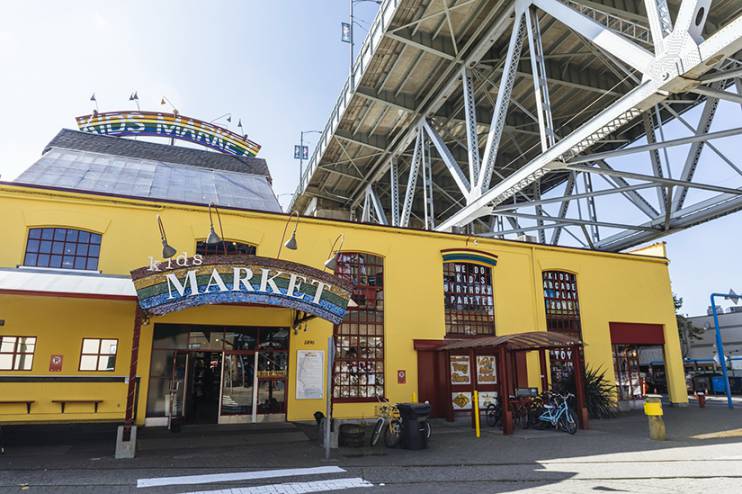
414	432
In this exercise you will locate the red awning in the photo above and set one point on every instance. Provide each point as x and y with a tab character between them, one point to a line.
533	340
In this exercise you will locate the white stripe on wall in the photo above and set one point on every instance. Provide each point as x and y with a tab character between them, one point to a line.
295	487
230	477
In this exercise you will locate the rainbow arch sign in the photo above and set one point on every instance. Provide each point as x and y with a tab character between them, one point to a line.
169	125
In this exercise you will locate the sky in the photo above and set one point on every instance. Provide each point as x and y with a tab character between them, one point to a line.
277	65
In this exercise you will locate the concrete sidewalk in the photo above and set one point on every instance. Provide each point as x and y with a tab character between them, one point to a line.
704	450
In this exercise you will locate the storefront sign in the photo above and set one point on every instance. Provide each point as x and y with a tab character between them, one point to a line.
164	287
170	125
309	374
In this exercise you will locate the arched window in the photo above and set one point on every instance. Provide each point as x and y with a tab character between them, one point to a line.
469	302
65	248
225	247
562	315
359	339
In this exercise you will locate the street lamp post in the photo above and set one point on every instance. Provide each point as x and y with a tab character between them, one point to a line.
351	27
719	345
301	152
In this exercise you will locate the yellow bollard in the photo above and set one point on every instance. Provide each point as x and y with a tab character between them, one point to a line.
414	397
653	411
476	412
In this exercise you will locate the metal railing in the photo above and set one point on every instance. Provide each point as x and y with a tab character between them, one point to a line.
370	44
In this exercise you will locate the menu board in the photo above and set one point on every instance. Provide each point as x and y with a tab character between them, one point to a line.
486	369
460	369
461	400
309	374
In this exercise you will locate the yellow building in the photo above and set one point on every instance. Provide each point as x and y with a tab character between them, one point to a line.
69	307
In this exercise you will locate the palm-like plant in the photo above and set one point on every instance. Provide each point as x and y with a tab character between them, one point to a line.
599	393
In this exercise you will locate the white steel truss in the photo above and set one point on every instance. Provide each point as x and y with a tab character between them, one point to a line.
557	138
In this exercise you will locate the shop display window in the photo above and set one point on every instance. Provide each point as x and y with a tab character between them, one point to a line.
16	352
63	248
225	247
629	380
98	354
561	301
359	339
469	303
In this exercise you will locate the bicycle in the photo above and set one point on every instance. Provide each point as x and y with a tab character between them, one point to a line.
389	424
558	414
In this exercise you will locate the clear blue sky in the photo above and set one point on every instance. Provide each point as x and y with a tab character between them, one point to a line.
278	65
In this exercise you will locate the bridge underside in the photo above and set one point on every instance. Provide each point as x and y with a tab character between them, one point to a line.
604	124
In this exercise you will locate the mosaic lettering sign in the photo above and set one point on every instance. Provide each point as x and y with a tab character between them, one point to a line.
183	282
170	125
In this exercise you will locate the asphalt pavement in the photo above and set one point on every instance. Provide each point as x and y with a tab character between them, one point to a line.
703	451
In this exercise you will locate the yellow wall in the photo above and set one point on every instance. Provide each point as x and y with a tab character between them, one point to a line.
612	287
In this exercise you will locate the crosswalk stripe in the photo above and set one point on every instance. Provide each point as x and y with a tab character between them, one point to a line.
295	487
231	477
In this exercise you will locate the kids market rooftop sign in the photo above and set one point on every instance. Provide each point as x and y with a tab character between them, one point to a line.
183	282
170	125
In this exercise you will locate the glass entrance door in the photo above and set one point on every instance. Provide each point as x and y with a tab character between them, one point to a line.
238	387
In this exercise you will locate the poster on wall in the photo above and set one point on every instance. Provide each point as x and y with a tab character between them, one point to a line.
309	374
486	369
487	398
461	400
460	369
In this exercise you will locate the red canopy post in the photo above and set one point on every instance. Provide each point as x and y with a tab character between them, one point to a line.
504	380
544	375
582	413
132	388
449	392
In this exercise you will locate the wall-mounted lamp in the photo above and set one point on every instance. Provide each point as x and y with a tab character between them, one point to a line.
213	238
167	250
291	243
332	262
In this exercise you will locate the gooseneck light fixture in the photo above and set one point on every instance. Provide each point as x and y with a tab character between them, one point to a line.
332	262
213	238
167	250
291	243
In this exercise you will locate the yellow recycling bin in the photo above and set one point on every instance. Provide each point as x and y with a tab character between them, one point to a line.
653	411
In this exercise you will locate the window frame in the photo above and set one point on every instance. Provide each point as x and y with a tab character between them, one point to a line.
15	353
364	329
97	355
76	244
468	312
237	244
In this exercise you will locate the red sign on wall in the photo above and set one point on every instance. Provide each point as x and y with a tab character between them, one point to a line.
55	363
401	377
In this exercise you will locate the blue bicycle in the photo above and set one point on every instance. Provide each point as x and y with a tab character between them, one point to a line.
557	413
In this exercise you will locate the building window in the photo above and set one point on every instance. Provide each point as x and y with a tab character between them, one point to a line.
16	352
62	248
359	339
562	304
469	304
98	354
225	247
562	316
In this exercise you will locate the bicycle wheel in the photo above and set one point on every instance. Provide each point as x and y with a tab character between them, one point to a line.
378	428
392	434
492	415
567	422
425	427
